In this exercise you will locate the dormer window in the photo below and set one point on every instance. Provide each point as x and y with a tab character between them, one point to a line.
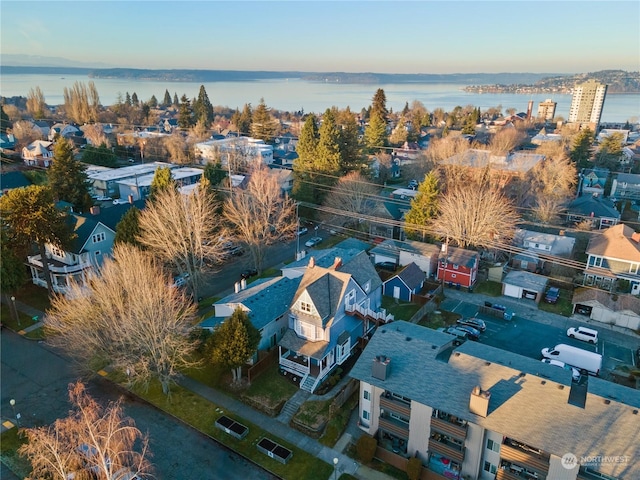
305	307
367	286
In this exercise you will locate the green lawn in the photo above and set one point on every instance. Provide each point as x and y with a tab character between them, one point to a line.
563	307
9	320
34	296
399	309
271	387
10	441
487	287
202	414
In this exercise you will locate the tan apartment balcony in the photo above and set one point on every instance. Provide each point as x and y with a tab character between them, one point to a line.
390	403
447	449
393	426
456	430
529	459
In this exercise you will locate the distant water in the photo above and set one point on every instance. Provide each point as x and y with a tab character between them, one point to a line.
296	94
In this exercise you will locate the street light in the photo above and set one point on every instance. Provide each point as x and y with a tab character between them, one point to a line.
12	402
335	468
15	312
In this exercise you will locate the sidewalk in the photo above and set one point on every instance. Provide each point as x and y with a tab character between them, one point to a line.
269	424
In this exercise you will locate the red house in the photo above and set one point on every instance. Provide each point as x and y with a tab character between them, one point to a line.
459	267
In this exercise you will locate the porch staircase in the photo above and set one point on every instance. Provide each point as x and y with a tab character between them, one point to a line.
308	382
292	406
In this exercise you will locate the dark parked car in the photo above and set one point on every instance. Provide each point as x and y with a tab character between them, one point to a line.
472	333
473	322
552	295
389	266
248	273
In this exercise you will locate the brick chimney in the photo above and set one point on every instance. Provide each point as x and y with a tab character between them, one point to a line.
479	402
95	210
635	237
337	263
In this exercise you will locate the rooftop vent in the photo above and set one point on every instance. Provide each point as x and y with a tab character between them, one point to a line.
543	382
487	363
607	401
381	367
408	339
479	401
561	387
635	412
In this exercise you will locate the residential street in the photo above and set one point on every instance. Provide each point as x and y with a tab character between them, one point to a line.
37	378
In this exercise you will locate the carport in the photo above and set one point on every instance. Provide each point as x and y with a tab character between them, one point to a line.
521	284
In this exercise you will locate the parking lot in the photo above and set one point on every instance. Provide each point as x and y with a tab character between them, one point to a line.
529	336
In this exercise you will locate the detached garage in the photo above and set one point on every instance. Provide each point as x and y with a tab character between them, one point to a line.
521	284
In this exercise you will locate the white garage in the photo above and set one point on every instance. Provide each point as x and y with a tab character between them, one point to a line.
522	284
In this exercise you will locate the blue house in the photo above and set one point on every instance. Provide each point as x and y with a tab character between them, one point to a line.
332	309
404	284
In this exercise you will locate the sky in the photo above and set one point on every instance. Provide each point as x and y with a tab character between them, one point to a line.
425	36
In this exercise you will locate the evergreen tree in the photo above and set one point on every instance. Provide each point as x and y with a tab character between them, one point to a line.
234	342
185	115
214	173
128	228
610	152
328	156
350	151
68	178
127	99
581	150
12	271
153	101
235	119
379	105
244	124
101	155
5	123
30	216
424	207
405	110
162	180
167	99
202	108
263	126
304	165
134	99
176	102
375	134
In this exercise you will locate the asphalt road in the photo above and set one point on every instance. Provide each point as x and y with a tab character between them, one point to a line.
37	378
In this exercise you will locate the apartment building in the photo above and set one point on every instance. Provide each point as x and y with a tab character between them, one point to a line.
547	109
477	412
587	102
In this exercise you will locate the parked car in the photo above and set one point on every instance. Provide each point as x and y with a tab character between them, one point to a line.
248	273
473	333
103	198
180	280
575	373
476	323
460	335
413	184
302	231
312	242
583	333
120	201
552	295
389	266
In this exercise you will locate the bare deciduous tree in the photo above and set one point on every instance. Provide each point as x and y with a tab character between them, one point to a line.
26	132
92	442
177	147
184	231
128	316
36	105
506	140
260	215
354	195
94	133
472	215
81	102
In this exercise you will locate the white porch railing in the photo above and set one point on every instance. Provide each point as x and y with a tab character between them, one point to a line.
56	288
380	315
301	370
37	262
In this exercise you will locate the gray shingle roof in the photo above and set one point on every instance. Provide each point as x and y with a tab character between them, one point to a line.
411	275
529	401
528	280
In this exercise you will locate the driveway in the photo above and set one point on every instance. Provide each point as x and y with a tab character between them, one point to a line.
37	378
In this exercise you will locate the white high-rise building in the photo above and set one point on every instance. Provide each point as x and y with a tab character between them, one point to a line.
587	102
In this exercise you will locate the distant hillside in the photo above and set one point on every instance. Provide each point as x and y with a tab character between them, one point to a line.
183	75
619	81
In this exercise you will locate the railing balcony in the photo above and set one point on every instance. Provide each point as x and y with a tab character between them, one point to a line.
379	316
296	367
58	267
505	474
449	450
527	459
395	405
448	428
393	426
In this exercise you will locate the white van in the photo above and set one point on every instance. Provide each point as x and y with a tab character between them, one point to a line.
576	357
583	333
